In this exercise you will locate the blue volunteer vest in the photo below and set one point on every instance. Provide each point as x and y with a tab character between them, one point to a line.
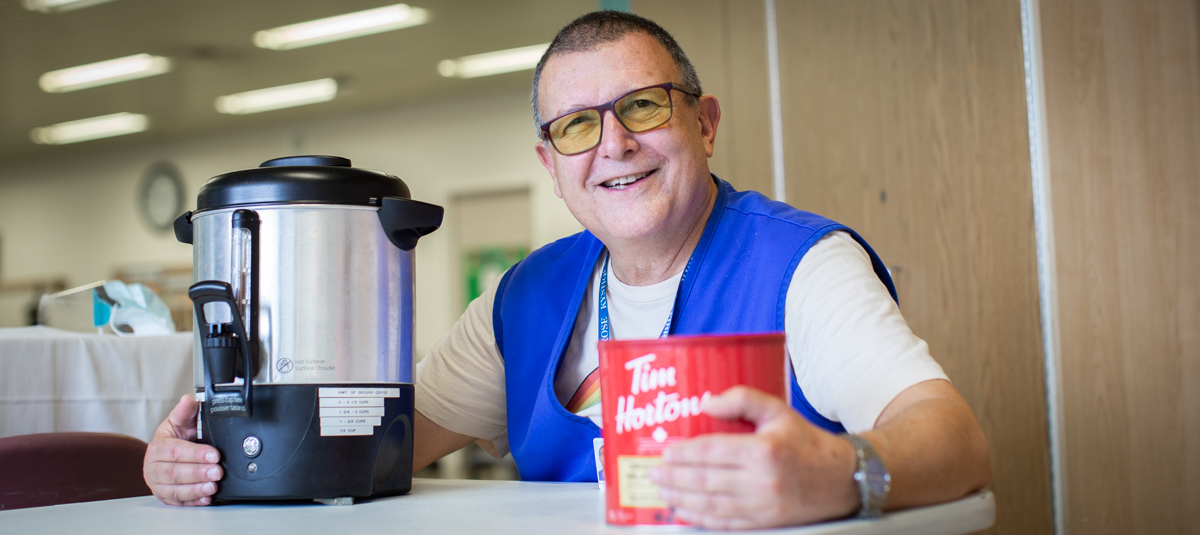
737	283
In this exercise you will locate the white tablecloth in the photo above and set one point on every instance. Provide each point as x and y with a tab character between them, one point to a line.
52	380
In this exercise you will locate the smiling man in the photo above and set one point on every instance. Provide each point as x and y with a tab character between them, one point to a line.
626	136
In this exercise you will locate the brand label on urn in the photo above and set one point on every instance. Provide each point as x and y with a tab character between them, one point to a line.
228	405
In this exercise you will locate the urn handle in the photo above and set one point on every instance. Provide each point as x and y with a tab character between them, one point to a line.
405	220
183	228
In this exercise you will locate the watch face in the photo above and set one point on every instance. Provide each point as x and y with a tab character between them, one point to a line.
160	198
878	479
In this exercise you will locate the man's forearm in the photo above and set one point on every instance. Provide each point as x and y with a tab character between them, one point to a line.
432	441
932	446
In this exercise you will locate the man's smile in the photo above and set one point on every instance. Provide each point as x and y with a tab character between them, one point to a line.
626	181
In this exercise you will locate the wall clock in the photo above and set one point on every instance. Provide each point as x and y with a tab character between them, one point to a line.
160	196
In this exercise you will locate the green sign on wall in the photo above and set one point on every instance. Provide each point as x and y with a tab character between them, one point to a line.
484	265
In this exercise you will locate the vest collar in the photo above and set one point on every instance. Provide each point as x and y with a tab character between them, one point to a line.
701	251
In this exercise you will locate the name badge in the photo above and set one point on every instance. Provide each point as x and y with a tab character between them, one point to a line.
598	451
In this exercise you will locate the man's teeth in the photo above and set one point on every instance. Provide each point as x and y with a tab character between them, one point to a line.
625	181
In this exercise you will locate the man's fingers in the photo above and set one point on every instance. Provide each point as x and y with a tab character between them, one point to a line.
170	461
692	478
715	504
186	495
186	473
164	473
744	403
198	503
175	450
718	449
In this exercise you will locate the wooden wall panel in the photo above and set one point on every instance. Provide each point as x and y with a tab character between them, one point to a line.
725	40
1122	80
906	120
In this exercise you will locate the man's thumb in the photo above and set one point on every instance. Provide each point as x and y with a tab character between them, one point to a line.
744	403
183	416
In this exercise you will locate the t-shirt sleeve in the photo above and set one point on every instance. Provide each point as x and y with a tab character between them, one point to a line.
460	383
851	348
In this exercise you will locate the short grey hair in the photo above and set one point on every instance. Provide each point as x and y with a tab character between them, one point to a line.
598	28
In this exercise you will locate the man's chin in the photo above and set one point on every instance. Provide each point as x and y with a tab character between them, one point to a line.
629	231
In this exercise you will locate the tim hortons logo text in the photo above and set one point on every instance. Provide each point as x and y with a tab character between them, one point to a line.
665	407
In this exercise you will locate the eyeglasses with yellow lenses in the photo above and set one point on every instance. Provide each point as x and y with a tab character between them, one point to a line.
638	111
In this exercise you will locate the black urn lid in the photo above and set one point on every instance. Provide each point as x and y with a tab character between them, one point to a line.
300	179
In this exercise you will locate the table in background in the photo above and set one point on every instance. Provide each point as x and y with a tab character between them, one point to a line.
435	506
52	380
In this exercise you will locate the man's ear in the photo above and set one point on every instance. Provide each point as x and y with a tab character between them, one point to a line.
709	115
546	156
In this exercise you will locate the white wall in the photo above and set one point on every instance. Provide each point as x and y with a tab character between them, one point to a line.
78	218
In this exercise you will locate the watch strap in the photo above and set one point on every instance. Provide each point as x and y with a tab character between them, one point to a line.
871	477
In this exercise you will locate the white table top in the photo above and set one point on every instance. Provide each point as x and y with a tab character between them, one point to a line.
440	506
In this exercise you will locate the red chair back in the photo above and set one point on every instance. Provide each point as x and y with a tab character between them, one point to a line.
57	468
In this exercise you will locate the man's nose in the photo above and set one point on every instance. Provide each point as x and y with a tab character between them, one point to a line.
615	141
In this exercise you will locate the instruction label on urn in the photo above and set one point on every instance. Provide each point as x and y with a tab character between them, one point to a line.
352	411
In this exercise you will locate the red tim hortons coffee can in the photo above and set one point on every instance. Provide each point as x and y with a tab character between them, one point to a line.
653	392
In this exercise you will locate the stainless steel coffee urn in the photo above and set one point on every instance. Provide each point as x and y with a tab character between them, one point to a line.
304	327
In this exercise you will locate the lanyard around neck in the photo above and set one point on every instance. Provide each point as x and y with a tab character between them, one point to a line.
605	328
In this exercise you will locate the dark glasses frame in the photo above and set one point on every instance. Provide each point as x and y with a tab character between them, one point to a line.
611	107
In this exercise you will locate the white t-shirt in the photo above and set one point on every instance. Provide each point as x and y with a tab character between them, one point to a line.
851	349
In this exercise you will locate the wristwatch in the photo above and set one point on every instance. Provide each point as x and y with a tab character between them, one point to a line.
871	476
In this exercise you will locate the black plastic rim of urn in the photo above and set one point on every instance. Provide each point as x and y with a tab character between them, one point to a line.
311	179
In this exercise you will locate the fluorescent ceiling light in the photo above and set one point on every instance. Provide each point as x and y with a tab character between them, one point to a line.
116	124
499	62
58	6
104	72
356	24
274	98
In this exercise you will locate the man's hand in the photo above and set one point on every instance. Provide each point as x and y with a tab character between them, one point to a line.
177	471
788	472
